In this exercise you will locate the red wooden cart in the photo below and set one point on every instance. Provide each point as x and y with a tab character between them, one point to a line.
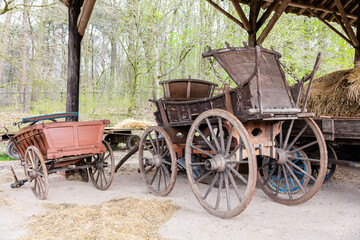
47	148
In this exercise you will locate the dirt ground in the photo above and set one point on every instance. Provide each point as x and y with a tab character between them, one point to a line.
334	213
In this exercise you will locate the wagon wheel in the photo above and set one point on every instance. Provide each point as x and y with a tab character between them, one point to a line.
132	141
36	172
215	158
102	168
12	151
287	176
157	161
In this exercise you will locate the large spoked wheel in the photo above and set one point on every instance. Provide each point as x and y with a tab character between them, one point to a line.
102	168
157	161
36	172
299	145
216	147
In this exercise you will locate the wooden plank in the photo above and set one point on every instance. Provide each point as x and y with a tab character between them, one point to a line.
226	13
84	16
273	20
241	14
347	23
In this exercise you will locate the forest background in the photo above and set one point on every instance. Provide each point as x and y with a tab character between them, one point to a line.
131	45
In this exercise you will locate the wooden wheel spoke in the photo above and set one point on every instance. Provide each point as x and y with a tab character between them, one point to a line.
281	135
201	150
278	180
157	142
160	173
301	170
166	162
153	178
222	140
234	185
295	178
163	173
227	190
288	134
97	176
166	171
211	186
302	158
150	150
228	144
234	151
104	174
219	191
237	174
303	147
213	134
264	166
297	137
152	142
207	141
149	169
162	146
165	153
287	186
204	176
271	174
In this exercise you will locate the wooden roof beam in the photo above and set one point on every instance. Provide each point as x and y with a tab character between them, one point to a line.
338	19
302	5
273	20
331	27
267	13
241	14
84	17
226	14
347	23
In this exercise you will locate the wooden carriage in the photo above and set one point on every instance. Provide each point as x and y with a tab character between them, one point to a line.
46	148
228	142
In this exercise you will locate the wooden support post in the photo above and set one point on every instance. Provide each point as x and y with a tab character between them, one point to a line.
357	49
85	14
73	81
267	14
347	23
253	18
273	20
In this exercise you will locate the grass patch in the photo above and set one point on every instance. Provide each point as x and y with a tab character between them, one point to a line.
5	157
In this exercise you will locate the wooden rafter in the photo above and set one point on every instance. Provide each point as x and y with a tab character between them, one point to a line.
267	13
347	23
331	27
241	14
226	13
338	19
279	11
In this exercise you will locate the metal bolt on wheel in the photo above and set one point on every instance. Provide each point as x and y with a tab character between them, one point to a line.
103	168
220	163
157	161
36	172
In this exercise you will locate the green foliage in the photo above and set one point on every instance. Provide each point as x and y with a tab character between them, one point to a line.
5	157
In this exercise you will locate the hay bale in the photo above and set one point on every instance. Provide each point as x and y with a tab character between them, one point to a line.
336	94
131	123
127	218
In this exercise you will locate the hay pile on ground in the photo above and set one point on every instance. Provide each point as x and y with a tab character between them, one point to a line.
127	218
336	94
131	123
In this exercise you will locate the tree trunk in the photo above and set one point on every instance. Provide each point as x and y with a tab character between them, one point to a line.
3	42
74	49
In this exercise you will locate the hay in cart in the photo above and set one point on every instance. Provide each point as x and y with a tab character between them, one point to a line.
336	94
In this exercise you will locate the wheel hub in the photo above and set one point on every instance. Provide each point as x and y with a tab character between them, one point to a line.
217	163
157	161
281	156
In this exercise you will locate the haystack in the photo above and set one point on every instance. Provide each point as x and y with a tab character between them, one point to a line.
131	123
336	94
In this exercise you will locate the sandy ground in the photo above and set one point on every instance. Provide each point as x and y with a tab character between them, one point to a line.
334	213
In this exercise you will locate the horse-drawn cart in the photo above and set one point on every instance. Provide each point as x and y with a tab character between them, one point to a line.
46	148
226	143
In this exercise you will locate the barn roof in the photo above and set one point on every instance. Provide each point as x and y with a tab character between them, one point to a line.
325	9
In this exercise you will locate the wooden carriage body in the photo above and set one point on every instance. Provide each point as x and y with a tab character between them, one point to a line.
62	139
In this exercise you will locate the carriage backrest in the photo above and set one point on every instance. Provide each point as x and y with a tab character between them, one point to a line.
241	65
187	89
